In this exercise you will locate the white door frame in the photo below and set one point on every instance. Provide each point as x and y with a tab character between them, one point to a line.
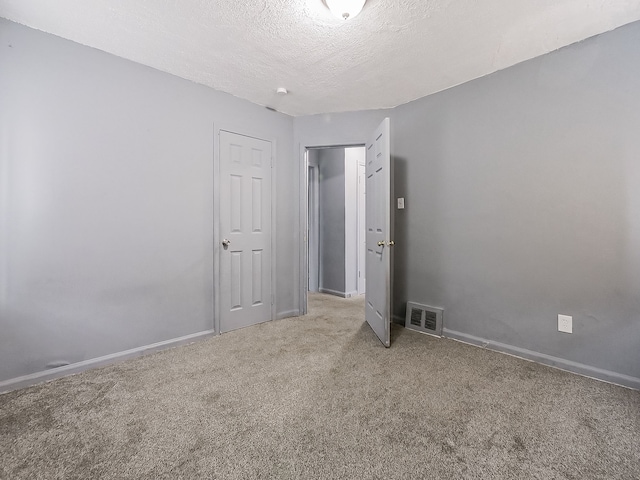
314	230
303	281
217	250
362	249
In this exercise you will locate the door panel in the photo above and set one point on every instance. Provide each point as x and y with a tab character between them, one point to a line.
245	223
235	279
379	233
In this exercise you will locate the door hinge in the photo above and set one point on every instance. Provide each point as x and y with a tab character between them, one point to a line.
273	299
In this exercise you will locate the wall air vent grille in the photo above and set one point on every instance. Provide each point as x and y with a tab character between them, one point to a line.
430	320
423	318
416	317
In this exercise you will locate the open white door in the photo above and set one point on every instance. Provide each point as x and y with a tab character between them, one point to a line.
379	233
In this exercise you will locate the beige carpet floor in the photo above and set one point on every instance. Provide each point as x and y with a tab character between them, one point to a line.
319	397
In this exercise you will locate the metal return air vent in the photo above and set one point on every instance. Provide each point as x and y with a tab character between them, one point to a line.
423	318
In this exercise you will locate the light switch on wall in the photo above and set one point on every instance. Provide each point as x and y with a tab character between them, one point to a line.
400	203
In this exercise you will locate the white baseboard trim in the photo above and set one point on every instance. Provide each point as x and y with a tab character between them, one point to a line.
353	293
398	319
287	314
551	361
333	292
48	375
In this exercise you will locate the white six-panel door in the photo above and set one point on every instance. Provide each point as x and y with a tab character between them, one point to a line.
379	233
245	231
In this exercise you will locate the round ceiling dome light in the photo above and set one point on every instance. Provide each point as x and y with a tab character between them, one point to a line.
345	9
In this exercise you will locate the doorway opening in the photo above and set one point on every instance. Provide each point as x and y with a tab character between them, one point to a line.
378	220
335	234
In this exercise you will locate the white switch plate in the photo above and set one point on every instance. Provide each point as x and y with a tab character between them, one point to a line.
400	203
565	323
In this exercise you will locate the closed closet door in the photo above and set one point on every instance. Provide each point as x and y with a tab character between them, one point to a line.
245	230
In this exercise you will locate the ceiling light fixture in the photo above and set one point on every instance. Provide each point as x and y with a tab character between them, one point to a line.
345	9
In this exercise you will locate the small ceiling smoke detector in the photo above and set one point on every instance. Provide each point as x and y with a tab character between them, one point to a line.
281	91
345	9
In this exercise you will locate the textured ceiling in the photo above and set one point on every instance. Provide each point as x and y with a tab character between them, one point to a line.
395	51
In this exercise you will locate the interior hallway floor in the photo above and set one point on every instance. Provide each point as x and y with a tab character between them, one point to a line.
320	397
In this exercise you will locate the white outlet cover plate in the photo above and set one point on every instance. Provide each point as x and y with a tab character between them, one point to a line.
565	323
400	203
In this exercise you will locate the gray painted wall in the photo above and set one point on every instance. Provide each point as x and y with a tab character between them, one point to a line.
107	201
332	220
522	202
